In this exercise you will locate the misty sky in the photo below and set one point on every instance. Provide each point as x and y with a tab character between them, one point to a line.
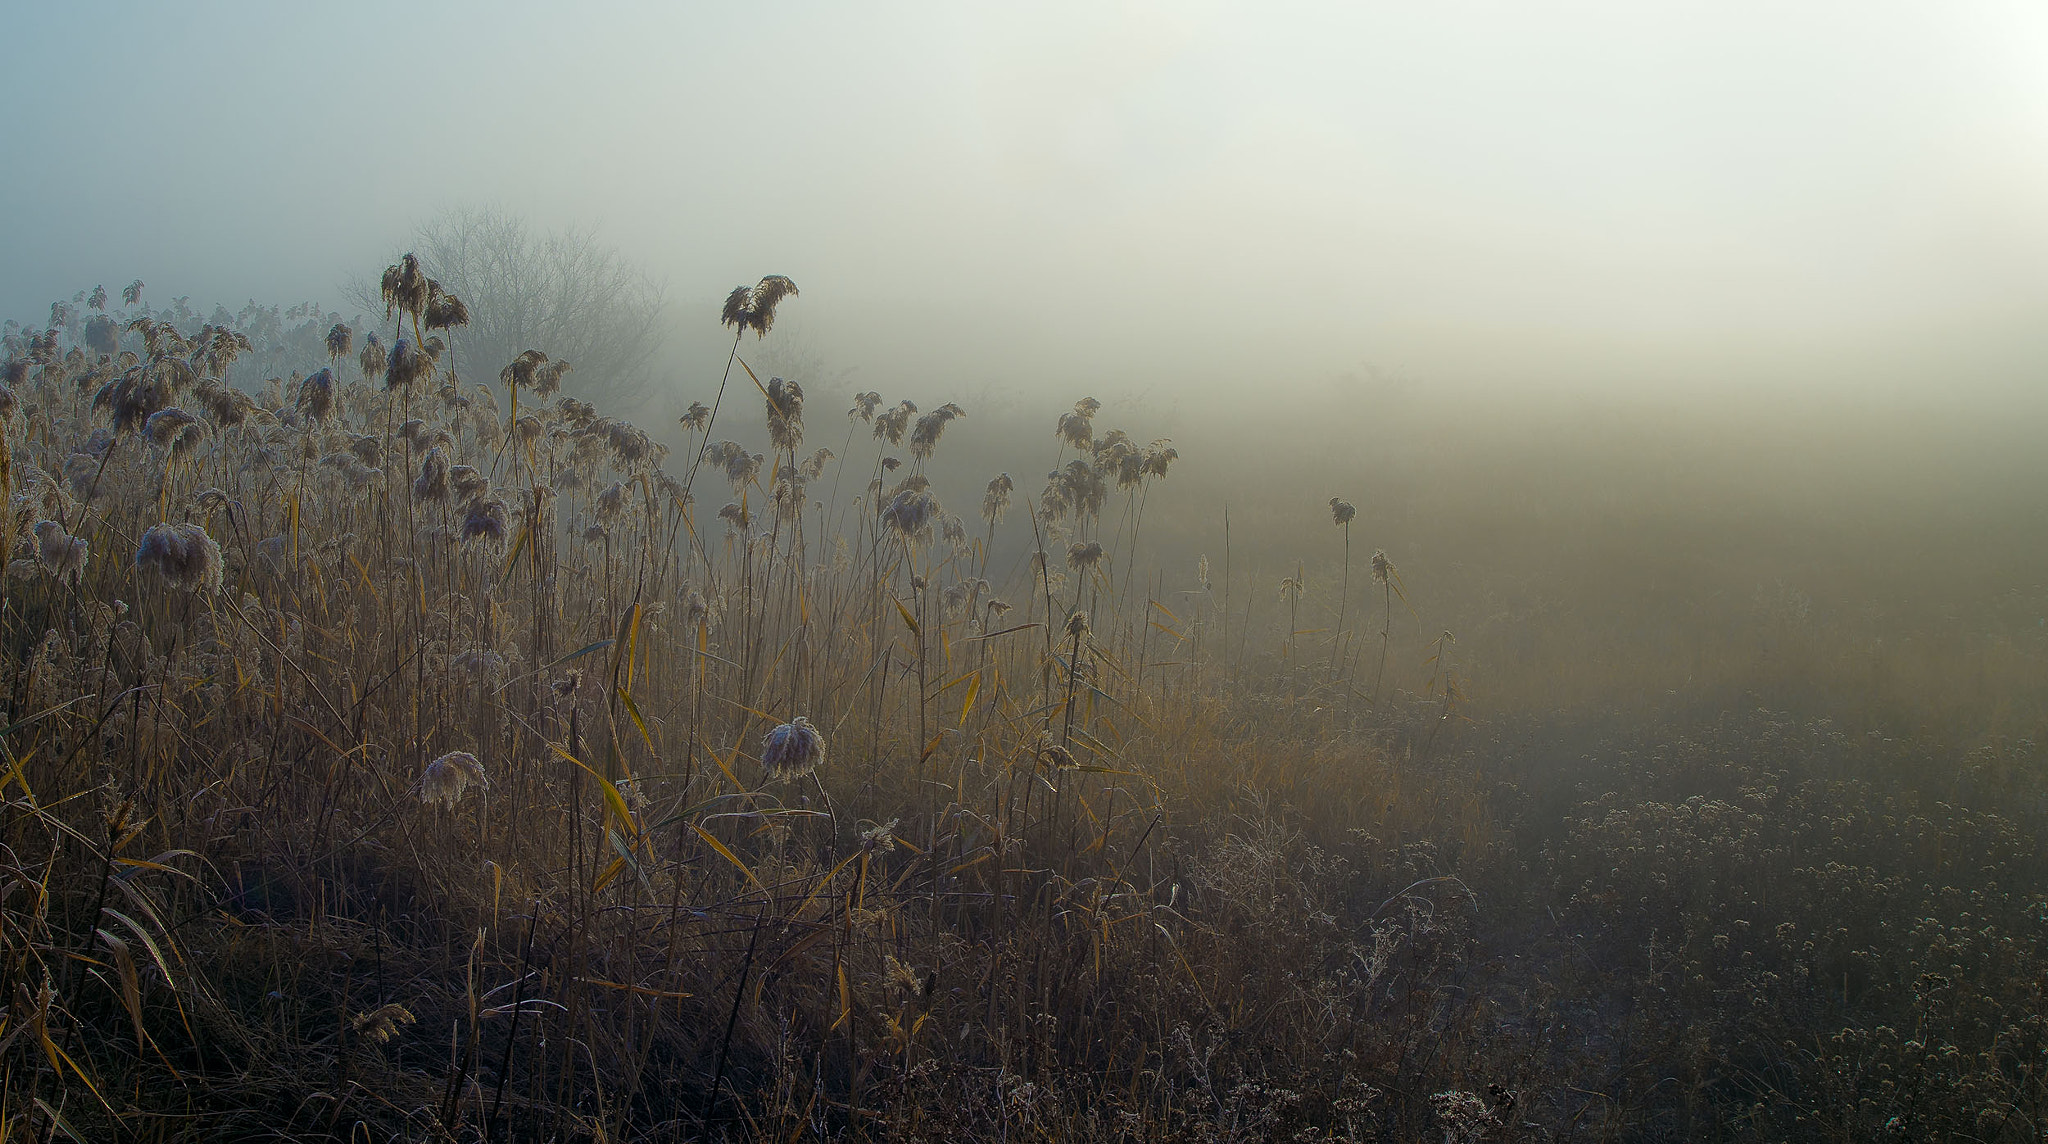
1094	196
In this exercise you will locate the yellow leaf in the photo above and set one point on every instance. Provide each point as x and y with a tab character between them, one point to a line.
612	798
845	1002
633	642
973	690
612	871
633	709
131	984
715	844
518	546
751	377
971	863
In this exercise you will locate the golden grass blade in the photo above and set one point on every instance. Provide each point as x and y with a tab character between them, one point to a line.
613	800
729	856
633	709
973	691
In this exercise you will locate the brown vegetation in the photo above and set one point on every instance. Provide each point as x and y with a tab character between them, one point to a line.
384	761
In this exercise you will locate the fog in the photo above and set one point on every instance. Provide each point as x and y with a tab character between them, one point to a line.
1178	204
1488	577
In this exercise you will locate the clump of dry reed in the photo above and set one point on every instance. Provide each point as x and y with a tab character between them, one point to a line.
1078	868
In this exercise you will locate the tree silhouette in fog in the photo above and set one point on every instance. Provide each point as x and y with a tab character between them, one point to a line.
563	292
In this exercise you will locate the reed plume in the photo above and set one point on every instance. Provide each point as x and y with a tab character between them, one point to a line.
448	778
753	307
924	438
183	555
373	359
785	414
339	341
792	750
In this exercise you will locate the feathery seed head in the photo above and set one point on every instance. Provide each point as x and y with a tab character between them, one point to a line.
1077	428
469	483
444	311
226	406
405	287
1051	753
785	414
103	334
753	308
382	1023
996	500
911	512
405	364
1158	456
373	359
316	395
881	836
432	483
520	372
132	397
447	778
166	426
611	501
183	554
925	437
485	521
890	426
62	554
792	750
82	476
547	377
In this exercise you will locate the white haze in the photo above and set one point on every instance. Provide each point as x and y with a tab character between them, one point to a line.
1173	199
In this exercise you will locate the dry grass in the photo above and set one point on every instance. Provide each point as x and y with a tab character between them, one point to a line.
397	764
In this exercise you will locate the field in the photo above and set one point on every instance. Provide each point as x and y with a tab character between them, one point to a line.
396	757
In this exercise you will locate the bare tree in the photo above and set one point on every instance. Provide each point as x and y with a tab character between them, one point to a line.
564	293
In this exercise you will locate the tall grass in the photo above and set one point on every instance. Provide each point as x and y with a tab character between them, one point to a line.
385	760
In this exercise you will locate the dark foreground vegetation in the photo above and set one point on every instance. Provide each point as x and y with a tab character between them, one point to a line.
392	757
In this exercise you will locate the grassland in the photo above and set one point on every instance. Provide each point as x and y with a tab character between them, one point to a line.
395	757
